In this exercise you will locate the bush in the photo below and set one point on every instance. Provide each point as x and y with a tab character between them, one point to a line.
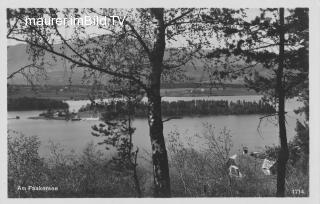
197	171
25	167
86	175
297	176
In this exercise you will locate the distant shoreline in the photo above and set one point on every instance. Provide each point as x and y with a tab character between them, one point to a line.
77	92
33	103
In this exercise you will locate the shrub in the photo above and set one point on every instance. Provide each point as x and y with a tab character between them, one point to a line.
86	175
25	167
202	171
297	177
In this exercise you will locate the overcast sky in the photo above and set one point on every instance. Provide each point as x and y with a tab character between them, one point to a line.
251	13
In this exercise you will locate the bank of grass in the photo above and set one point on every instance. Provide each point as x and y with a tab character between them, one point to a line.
193	173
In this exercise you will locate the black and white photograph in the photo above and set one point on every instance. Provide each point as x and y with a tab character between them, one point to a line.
158	102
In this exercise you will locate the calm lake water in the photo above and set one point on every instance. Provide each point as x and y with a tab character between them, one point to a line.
76	135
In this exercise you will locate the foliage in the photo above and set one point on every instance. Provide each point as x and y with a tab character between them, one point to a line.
298	148
197	170
203	171
117	129
298	163
199	173
76	175
185	108
251	50
279	44
25	167
27	103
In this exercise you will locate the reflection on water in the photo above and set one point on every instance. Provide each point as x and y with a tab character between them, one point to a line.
75	135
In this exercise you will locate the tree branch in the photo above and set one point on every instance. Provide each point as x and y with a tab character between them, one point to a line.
171	22
139	38
12	28
171	118
69	46
81	64
23	68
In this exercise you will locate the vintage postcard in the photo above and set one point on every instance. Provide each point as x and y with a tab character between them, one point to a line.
161	100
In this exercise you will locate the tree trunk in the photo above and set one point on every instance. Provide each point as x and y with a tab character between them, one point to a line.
284	153
135	176
159	152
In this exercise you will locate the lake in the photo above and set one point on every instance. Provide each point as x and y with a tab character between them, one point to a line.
77	134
